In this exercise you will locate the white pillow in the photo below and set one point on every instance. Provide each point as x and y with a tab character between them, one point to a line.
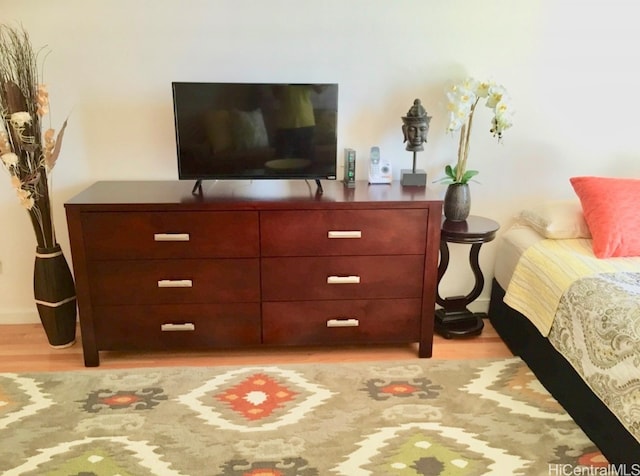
557	219
249	130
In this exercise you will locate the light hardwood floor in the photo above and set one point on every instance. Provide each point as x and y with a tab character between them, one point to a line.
24	348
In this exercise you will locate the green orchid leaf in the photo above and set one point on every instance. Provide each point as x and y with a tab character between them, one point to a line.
450	172
468	175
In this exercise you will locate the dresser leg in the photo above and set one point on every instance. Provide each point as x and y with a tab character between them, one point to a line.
91	357
424	351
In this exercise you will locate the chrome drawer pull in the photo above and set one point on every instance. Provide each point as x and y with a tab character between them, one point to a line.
345	234
175	283
171	237
343	323
343	279
187	326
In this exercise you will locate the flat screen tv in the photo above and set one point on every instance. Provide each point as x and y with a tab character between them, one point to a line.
255	130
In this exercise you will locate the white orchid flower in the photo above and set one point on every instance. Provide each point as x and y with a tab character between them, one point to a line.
496	94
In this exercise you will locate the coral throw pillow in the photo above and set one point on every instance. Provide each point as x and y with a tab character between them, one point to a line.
611	210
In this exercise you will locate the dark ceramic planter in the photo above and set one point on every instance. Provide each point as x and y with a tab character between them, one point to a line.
457	202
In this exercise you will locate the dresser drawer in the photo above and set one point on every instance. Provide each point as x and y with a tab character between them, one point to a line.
185	326
139	235
349	277
343	232
342	322
175	281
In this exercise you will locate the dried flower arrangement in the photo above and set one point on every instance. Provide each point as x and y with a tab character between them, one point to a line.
28	154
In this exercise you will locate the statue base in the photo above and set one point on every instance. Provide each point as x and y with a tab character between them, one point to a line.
409	178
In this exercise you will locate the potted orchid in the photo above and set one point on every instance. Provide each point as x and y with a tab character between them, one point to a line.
28	153
463	99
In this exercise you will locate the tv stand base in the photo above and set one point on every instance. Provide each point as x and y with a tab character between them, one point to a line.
197	188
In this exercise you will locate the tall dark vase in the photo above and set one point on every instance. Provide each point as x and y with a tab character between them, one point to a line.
55	296
457	202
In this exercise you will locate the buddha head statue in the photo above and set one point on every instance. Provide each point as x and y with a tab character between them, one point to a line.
415	126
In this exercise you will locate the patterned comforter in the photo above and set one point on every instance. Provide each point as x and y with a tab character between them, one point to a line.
597	329
547	269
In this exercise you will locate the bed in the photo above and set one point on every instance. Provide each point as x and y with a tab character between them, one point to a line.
574	318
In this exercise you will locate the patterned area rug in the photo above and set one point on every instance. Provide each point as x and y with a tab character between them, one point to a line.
414	417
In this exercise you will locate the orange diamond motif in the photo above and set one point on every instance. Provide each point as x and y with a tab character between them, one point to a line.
256	397
399	388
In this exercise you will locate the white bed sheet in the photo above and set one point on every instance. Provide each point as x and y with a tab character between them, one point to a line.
512	243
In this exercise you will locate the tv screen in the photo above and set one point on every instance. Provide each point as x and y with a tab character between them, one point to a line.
255	131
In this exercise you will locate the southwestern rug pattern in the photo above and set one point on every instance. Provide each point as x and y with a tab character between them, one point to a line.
414	417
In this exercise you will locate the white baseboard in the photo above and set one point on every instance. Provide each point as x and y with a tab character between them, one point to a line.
480	305
19	317
31	317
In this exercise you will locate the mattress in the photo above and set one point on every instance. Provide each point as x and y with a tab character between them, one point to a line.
594	314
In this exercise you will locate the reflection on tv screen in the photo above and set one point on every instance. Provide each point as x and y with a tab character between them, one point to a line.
253	131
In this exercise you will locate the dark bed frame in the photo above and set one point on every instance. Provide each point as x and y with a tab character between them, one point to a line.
563	382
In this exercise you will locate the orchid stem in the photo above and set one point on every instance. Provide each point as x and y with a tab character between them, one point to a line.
463	153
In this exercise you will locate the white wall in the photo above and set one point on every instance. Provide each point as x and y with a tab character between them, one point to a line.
571	67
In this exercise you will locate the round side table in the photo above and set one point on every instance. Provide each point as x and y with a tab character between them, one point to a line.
455	319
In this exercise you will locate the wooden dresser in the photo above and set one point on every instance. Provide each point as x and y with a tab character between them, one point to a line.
253	263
